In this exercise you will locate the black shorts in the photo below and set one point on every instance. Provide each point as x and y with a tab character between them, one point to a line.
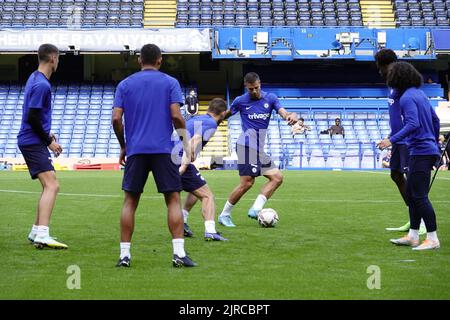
165	173
252	163
399	158
191	179
37	158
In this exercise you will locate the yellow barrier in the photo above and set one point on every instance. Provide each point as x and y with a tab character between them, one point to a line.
24	167
59	167
20	167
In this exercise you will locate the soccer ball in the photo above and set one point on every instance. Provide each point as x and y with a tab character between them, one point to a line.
268	218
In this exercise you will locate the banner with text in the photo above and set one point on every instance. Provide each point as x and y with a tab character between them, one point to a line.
106	40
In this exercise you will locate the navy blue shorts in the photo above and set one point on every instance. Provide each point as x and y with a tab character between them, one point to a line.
252	163
165	173
399	158
37	158
191	179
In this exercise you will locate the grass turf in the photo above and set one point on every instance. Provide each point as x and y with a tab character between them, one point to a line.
331	230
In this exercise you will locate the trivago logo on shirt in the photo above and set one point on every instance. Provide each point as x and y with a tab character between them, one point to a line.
255	116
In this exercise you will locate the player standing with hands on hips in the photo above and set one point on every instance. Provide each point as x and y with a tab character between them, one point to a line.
421	131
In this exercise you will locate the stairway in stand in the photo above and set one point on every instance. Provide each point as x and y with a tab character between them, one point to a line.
160	13
378	13
218	145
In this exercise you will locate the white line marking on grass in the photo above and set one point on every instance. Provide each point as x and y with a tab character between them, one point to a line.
93	195
386	173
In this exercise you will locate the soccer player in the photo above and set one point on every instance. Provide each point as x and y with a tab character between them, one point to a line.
421	131
34	140
255	108
400	155
150	101
201	129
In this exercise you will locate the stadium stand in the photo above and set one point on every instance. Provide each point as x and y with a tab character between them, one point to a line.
422	13
81	119
371	13
364	115
268	13
71	13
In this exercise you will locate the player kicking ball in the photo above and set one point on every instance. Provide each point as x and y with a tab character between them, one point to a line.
255	108
34	140
201	129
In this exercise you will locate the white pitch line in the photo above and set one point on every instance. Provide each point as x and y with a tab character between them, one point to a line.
93	195
386	173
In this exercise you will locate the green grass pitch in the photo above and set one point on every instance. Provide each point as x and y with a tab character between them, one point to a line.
331	230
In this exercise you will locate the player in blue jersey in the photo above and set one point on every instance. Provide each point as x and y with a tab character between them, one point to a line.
255	108
420	129
34	140
201	129
400	155
149	101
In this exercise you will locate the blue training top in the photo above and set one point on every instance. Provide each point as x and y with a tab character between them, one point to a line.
145	98
395	115
202	125
421	124
255	117
37	95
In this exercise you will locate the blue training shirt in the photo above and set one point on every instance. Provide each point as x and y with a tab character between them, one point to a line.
202	125
145	98
255	117
421	124
395	115
37	95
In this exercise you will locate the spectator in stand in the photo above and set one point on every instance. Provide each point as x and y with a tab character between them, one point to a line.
300	127
336	128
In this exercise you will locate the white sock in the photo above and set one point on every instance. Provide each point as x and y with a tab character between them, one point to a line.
210	226
227	209
34	229
413	234
178	247
185	215
43	231
259	202
125	250
432	236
